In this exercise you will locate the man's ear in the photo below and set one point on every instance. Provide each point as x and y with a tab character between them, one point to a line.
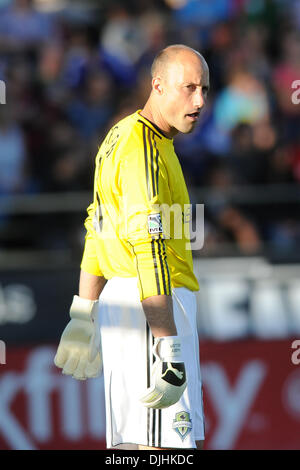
157	85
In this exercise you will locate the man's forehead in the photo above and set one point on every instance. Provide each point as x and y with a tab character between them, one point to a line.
188	68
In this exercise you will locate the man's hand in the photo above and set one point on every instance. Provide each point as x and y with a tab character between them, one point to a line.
79	350
168	380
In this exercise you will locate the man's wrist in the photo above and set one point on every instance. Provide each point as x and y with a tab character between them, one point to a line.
168	348
81	308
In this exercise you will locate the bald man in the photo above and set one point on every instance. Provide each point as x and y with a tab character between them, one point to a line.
137	285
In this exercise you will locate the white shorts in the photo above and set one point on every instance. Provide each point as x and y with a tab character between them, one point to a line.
127	359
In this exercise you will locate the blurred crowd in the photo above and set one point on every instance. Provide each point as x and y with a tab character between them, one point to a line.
72	69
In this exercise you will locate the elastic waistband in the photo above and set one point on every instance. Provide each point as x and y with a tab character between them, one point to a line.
129	281
127	288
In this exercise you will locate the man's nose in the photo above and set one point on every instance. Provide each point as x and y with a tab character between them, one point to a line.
199	100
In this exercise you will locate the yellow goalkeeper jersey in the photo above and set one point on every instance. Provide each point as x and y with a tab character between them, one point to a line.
138	223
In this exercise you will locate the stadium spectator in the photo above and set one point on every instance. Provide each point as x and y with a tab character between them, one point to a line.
122	44
13	159
244	99
22	26
91	112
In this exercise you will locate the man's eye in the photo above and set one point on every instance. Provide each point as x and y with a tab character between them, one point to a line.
191	87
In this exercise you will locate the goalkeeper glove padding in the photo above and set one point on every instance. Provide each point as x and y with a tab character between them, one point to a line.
79	350
168	378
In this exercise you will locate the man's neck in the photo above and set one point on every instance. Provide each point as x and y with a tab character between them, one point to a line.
153	115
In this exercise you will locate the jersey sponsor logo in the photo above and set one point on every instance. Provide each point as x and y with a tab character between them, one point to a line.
182	424
154	224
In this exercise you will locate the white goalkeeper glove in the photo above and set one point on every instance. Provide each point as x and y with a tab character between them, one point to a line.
168	378
79	350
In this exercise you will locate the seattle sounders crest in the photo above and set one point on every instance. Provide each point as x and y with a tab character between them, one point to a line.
182	424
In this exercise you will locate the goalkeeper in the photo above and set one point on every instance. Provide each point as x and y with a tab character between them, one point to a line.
135	314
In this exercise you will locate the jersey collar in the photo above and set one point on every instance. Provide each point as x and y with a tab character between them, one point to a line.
152	125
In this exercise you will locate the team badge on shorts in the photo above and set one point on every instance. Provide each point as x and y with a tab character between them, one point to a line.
182	424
